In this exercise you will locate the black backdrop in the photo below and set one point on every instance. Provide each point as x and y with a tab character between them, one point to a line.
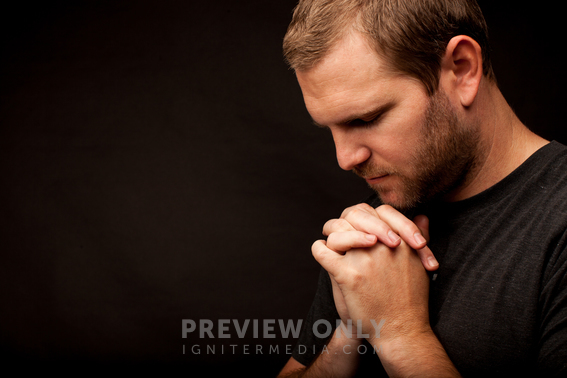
157	164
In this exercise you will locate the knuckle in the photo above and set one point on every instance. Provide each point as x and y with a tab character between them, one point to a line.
328	227
365	207
357	213
362	239
317	250
384	210
353	213
356	279
341	225
346	211
335	225
361	207
331	240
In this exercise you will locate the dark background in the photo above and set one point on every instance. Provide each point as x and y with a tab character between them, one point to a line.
157	164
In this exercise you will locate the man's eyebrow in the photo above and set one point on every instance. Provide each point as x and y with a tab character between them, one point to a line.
372	114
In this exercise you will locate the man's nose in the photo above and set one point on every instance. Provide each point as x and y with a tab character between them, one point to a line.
351	151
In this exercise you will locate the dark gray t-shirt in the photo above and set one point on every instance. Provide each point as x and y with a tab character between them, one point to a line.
498	302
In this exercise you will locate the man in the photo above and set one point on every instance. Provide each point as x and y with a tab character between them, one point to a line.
407	90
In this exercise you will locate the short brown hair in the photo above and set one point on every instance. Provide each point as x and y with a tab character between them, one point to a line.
412	35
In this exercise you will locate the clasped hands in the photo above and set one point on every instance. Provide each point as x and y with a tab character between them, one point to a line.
376	260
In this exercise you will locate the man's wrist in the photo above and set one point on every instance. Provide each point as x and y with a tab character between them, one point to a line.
349	330
418	353
346	337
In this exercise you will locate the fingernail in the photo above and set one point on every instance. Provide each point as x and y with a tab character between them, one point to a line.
393	236
432	261
370	237
419	239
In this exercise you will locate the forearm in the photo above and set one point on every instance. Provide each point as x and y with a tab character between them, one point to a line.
339	359
416	355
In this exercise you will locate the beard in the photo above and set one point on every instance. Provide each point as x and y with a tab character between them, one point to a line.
440	164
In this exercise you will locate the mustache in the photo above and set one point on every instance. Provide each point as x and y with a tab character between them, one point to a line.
368	170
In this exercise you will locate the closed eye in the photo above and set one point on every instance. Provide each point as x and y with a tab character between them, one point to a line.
364	123
371	118
365	120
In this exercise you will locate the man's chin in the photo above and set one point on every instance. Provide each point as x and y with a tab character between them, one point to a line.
395	198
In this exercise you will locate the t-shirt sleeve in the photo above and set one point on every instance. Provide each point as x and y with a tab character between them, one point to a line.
323	315
552	348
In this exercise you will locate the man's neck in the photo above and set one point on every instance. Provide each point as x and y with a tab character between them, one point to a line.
505	143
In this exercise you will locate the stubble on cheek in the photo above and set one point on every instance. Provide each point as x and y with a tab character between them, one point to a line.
438	165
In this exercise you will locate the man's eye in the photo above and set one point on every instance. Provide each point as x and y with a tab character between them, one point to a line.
363	123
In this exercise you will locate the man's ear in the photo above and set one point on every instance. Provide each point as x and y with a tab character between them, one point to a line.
461	69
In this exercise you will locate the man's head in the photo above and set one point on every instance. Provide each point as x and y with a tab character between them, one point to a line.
411	35
408	146
409	133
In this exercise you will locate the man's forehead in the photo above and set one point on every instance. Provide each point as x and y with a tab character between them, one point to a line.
351	57
348	81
